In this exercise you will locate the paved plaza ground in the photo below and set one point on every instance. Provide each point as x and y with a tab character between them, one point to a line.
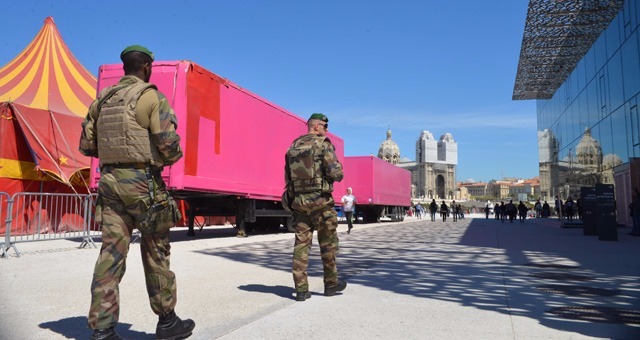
417	279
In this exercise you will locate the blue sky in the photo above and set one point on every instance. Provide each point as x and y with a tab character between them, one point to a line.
442	66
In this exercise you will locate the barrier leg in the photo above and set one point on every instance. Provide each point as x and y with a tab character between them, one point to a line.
87	240
6	247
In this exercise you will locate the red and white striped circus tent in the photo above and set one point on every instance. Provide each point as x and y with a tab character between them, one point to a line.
44	95
46	75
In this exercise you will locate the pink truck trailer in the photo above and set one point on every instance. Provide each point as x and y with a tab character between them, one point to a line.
381	189
234	144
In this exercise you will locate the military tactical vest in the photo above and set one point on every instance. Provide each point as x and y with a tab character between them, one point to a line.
305	164
120	138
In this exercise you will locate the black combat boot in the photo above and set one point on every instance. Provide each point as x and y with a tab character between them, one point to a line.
332	290
105	334
301	296
170	327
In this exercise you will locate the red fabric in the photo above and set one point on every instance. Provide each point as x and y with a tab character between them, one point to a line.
29	214
50	140
12	145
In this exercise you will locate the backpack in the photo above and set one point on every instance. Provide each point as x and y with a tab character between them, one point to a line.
305	164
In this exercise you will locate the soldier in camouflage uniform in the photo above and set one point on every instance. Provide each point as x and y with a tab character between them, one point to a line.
132	130
311	167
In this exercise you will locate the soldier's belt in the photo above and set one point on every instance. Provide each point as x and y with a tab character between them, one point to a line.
140	166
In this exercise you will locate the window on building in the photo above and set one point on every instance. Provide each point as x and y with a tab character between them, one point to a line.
630	68
635	129
602	94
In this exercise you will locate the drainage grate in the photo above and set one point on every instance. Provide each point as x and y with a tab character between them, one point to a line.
551	265
578	290
561	276
597	314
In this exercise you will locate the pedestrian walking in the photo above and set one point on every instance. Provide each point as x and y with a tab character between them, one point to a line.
419	210
348	206
487	209
131	128
569	209
546	210
503	211
497	211
444	211
311	168
511	211
454	211
522	211
433	209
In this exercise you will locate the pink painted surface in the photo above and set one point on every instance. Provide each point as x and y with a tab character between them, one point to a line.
233	140
377	182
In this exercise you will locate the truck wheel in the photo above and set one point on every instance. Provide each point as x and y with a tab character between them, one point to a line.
400	214
370	216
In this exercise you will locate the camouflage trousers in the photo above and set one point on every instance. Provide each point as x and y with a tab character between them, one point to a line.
326	222
123	196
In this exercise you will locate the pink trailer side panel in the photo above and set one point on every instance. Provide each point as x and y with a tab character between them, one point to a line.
233	141
377	182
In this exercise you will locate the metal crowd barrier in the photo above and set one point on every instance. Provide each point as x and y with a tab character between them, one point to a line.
5	221
31	217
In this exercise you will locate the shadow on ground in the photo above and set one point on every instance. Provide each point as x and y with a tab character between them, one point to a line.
281	291
486	265
76	328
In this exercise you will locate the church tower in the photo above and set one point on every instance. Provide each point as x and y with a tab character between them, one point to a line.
389	150
434	172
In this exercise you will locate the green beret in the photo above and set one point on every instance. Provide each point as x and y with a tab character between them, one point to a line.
136	48
319	116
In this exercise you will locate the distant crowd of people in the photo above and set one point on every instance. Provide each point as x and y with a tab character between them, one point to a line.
569	209
504	211
453	210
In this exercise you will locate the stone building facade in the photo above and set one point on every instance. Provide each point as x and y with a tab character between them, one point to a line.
433	174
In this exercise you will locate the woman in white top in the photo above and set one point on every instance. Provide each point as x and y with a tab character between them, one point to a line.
348	206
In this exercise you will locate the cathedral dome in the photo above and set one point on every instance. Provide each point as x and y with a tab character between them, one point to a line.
405	159
588	150
389	150
610	161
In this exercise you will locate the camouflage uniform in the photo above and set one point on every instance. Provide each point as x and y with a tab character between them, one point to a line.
126	202
311	167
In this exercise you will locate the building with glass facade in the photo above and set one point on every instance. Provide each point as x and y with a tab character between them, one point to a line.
581	61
